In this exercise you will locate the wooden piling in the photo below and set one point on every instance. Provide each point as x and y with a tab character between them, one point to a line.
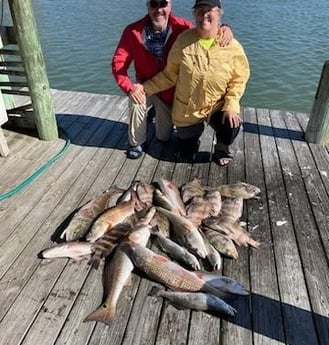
33	61
318	125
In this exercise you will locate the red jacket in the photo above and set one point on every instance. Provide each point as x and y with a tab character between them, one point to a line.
131	48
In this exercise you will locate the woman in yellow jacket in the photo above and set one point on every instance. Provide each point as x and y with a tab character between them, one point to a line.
209	79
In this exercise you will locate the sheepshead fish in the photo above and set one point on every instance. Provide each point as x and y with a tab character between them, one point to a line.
187	234
213	256
221	242
172	192
232	207
233	229
169	273
239	190
117	274
192	189
105	244
194	300
144	192
112	217
198	209
84	217
215	200
75	250
175	251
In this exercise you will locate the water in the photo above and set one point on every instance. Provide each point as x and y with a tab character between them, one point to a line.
286	42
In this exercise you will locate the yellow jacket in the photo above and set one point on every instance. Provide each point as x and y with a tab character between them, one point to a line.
206	80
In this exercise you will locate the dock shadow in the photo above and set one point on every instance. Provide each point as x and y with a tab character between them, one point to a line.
283	133
280	321
73	125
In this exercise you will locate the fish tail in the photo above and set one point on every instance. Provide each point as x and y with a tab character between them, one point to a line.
103	314
95	260
155	291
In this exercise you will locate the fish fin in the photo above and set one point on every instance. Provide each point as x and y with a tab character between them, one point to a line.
103	314
40	255
154	291
94	262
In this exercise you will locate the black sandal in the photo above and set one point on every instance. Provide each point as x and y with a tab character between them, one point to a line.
223	155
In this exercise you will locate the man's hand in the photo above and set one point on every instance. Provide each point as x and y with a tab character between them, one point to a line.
227	35
138	94
232	117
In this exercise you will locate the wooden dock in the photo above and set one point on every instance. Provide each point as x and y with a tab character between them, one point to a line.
45	301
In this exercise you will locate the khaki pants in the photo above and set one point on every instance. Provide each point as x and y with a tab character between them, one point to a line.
137	128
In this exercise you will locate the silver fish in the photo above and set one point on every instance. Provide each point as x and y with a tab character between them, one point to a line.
75	250
176	251
187	234
194	300
213	256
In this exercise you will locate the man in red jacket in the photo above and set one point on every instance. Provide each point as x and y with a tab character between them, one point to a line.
146	43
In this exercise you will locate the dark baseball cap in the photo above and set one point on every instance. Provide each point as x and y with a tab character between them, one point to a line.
212	3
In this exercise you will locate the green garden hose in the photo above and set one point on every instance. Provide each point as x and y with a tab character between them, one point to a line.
38	172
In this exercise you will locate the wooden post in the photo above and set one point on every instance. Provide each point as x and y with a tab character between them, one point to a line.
33	61
317	130
4	150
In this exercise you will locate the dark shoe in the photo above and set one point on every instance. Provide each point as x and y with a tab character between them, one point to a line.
135	152
223	158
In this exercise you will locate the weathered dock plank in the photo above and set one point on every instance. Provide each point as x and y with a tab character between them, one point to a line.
288	276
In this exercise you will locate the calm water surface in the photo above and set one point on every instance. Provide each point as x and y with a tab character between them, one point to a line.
286	42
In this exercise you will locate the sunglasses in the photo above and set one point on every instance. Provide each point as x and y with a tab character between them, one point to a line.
158	4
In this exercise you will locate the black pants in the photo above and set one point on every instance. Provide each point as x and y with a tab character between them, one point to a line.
188	137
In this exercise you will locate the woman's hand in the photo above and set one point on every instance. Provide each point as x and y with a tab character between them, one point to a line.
233	118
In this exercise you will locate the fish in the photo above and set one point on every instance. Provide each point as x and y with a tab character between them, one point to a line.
112	217
215	200
162	223
117	274
239	190
233	229
75	250
223	283
221	242
186	232
175	251
173	194
194	300
160	199
197	210
192	189
84	217
232	207
144	192
214	258
160	269
105	244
